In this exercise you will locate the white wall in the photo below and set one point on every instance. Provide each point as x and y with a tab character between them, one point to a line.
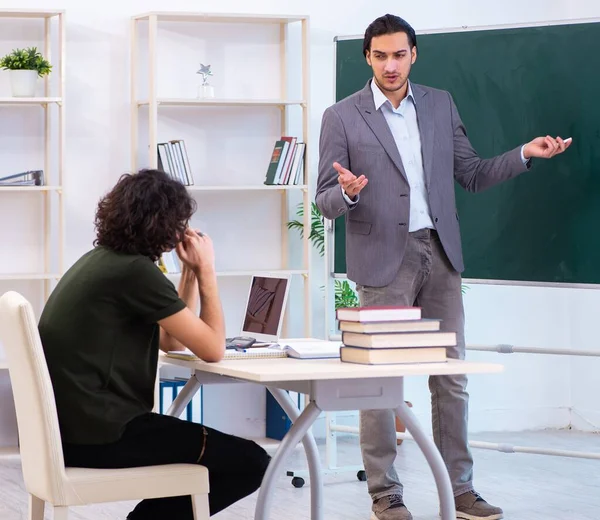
534	391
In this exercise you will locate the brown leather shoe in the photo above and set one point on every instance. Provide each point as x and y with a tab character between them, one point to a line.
390	507
470	506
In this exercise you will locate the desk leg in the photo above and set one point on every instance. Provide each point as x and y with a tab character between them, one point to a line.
436	463
312	453
295	435
184	397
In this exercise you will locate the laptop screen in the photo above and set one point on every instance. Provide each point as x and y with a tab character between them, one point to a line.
265	307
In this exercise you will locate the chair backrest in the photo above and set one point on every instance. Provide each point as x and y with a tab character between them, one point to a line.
37	419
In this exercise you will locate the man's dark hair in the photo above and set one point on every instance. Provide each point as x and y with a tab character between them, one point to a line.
388	24
144	214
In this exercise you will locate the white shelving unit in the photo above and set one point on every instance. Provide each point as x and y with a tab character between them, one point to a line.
50	243
53	106
152	104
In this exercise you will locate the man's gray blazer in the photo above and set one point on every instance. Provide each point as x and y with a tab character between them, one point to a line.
357	136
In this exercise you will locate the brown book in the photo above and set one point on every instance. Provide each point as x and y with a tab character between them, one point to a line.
399	339
388	356
423	325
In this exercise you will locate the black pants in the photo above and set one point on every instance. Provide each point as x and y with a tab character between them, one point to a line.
235	466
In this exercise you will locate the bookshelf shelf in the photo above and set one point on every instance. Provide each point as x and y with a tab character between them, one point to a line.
165	16
52	103
147	24
29	276
275	272
30	188
29	13
216	102
250	187
30	101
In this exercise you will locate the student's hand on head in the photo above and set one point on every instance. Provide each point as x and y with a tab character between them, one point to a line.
196	251
351	184
545	147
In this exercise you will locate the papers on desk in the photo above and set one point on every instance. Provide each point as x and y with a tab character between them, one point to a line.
294	348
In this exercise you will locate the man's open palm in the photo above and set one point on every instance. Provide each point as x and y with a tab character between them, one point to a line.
351	184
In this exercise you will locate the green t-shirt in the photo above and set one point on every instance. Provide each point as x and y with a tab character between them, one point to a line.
101	338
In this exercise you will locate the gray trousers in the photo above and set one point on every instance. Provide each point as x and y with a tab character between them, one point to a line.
425	279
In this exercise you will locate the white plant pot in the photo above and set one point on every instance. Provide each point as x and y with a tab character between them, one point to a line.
23	82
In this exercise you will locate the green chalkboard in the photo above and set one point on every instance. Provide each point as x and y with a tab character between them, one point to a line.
511	85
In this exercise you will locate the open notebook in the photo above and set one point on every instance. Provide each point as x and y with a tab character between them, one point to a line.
251	353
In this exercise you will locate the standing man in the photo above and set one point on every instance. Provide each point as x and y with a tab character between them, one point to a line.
389	156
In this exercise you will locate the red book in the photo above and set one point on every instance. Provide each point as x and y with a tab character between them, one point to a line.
380	313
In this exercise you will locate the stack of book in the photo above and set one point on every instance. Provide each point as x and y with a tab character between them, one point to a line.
28	178
287	162
173	160
386	335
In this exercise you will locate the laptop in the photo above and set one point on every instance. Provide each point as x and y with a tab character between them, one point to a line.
264	311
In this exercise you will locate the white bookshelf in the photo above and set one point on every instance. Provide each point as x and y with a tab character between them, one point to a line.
53	108
151	105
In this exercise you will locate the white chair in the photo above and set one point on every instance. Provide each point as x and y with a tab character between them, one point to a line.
46	477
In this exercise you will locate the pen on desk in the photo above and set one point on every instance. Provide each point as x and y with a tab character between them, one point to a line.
240	349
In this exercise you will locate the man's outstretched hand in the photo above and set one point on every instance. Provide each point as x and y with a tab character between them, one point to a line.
351	184
546	147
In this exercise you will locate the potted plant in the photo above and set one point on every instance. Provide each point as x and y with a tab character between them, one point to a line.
25	66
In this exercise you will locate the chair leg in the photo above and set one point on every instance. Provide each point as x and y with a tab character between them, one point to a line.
36	508
200	507
61	513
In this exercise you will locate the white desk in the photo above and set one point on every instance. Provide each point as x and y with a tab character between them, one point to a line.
331	386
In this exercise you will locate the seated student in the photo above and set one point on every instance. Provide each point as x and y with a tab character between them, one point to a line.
101	330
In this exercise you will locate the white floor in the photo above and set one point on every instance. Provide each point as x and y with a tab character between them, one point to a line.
528	487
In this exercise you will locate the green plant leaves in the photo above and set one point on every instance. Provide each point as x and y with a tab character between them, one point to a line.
26	59
317	227
345	295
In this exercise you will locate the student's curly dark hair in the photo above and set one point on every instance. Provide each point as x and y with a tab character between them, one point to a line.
145	214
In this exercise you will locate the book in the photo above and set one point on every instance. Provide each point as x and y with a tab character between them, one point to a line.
399	339
380	313
373	327
385	356
309	348
284	178
274	162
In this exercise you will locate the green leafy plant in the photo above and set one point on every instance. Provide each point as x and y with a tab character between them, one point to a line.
26	59
345	295
317	227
